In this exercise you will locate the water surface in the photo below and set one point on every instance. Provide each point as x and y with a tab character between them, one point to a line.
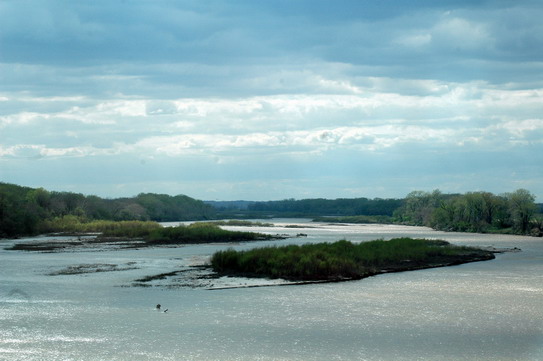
479	311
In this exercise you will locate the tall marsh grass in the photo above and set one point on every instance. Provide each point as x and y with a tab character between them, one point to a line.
202	233
150	231
332	261
73	224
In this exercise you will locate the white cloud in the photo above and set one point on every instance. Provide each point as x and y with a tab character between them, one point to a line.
519	128
36	151
21	118
430	112
294	142
414	40
462	33
209	87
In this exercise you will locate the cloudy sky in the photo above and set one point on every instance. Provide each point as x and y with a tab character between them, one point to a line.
259	100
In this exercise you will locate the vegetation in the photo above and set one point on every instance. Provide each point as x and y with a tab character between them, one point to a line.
201	233
27	211
343	260
73	224
165	208
513	212
129	234
355	206
308	207
154	233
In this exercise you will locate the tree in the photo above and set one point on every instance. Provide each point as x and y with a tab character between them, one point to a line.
522	208
419	207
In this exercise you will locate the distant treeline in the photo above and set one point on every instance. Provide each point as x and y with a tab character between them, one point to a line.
25	211
513	212
312	207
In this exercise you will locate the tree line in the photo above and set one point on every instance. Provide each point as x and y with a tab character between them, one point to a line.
514	212
329	207
26	211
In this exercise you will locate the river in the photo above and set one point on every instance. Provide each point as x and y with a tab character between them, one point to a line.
489	310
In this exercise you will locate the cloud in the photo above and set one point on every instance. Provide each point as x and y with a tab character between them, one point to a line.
428	111
461	34
524	129
22	151
415	40
228	93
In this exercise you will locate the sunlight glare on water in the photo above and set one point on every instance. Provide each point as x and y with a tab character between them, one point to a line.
479	311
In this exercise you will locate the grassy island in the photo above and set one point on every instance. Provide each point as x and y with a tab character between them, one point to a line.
343	260
127	234
202	233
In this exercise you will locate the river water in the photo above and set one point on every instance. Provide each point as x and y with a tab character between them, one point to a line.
489	310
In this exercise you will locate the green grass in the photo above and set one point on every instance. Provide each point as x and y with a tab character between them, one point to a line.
152	232
202	233
73	224
342	259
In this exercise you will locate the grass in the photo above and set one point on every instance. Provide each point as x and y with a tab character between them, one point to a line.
153	232
342	260
202	233
73	224
136	234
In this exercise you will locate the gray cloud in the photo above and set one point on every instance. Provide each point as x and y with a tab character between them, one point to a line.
304	98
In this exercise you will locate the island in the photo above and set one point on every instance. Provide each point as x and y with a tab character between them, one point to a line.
343	260
137	234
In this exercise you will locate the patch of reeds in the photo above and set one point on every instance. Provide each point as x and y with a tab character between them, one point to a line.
202	233
340	260
73	224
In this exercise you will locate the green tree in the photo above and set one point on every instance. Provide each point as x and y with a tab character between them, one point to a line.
522	208
419	206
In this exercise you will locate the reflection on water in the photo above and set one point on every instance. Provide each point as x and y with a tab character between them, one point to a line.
479	311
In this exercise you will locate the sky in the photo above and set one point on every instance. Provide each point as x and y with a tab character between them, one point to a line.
268	100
